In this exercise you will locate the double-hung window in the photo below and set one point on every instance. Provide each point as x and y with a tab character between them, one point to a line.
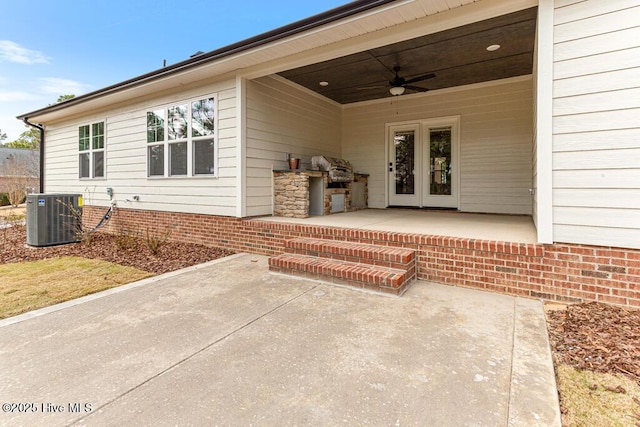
181	139
91	142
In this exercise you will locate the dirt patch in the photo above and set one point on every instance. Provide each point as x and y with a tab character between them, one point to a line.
169	257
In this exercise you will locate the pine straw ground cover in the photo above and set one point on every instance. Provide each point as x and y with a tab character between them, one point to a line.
596	351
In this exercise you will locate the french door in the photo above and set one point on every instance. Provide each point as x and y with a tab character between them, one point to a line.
423	163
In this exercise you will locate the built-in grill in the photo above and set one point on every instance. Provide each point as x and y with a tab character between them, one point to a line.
329	186
339	170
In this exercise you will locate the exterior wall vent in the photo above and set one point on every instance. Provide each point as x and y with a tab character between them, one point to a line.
51	219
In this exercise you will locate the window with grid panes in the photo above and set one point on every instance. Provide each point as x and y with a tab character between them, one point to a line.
181	139
91	150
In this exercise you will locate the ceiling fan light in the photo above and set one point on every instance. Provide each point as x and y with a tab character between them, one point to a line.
396	90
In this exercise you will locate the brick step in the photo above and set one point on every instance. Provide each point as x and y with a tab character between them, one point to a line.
385	256
366	276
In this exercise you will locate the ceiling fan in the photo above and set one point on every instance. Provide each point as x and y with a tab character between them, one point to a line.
398	85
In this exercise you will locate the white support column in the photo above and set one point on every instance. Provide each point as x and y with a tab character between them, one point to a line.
544	122
241	147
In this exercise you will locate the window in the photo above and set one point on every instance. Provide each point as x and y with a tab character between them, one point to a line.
91	143
181	139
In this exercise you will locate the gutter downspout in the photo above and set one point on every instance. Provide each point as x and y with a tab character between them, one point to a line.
41	129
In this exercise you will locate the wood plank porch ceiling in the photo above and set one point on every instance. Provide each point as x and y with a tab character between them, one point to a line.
457	57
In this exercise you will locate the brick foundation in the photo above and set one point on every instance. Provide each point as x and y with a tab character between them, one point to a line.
558	272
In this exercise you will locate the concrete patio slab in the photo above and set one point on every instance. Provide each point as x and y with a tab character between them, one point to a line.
232	344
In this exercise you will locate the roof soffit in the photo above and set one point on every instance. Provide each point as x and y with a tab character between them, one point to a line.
457	56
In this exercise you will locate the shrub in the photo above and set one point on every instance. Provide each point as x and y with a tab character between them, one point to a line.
127	239
156	240
17	197
82	234
4	199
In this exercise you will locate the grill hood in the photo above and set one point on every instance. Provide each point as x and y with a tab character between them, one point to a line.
339	170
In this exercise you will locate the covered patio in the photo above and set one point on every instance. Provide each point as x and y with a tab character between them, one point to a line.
458	135
492	227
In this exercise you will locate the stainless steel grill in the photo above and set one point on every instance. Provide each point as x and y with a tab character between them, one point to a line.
339	170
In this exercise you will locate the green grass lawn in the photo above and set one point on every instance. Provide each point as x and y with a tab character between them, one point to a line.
589	399
27	286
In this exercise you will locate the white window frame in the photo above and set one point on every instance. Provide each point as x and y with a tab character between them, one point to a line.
190	139
91	151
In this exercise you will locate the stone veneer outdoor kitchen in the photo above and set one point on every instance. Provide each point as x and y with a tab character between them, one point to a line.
302	193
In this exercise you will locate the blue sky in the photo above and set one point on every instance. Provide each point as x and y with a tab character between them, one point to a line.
51	48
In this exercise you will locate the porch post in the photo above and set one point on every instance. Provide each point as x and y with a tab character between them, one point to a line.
241	147
544	122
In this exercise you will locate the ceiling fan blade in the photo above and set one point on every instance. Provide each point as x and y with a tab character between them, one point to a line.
416	88
420	78
371	87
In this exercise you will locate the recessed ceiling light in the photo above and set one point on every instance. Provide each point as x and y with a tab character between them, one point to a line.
323	83
493	47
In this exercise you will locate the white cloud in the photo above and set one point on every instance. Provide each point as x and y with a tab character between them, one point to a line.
59	86
13	52
12	96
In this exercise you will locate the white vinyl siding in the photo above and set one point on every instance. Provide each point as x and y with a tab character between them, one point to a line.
495	141
126	161
596	130
281	119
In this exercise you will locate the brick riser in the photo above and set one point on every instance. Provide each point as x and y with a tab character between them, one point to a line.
374	278
377	268
383	256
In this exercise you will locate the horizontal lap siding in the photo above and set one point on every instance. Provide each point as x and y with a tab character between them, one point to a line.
126	158
495	142
283	119
596	125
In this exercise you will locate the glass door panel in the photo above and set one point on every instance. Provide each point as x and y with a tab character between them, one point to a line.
440	161
440	186
404	184
405	147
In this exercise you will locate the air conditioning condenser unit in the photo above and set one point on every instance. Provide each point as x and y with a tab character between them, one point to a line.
53	219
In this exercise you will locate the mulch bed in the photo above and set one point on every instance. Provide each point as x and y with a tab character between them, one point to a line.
132	252
597	337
